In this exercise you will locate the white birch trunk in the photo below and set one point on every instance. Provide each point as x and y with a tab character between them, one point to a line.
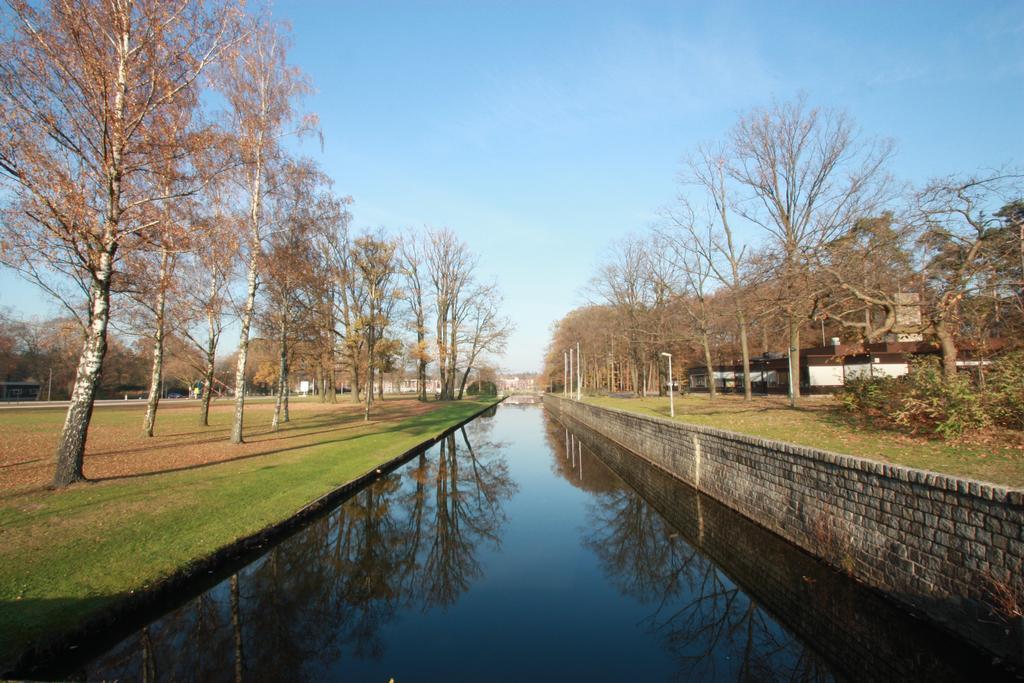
243	349
71	447
156	373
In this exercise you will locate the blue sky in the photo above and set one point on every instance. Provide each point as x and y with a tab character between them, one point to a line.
542	131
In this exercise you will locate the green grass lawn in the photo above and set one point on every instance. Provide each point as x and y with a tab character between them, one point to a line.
66	555
995	456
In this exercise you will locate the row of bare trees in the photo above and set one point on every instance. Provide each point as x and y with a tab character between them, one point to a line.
790	226
146	169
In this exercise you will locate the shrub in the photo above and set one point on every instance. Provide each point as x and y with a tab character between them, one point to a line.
936	404
871	398
922	401
1005	390
482	388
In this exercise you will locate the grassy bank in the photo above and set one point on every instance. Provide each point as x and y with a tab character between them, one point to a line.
995	456
65	556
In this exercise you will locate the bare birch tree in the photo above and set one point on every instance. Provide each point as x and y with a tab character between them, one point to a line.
200	313
175	232
295	281
262	91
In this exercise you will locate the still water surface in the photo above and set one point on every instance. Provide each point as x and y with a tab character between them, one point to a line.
519	548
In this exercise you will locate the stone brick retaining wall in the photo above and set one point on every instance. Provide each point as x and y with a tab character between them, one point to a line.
936	543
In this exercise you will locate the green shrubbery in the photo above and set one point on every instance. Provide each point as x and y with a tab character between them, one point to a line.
482	388
925	402
1004	390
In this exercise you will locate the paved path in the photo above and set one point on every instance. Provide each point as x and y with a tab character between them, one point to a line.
133	403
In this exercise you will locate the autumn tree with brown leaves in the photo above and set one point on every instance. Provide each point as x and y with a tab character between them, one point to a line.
90	96
373	258
262	91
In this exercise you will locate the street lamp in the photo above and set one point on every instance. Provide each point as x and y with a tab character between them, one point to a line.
579	376
565	373
570	372
671	400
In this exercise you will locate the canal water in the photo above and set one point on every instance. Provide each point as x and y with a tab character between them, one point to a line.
522	549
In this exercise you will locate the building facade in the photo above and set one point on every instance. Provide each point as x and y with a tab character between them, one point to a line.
825	369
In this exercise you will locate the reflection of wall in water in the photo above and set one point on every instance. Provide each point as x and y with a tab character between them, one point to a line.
595	480
927	540
856	630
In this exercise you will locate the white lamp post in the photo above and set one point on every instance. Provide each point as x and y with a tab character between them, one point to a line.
579	377
570	372
565	373
671	400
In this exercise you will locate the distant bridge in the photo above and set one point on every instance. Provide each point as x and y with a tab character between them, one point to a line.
524	398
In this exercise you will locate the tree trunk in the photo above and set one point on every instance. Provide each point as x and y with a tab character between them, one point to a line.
369	395
462	384
453	351
204	409
282	373
356	387
211	359
71	447
442	349
949	351
243	347
330	382
794	359
285	415
156	375
712	389
331	391
748	392
421	378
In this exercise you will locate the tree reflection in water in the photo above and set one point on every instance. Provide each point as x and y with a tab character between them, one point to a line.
712	628
409	541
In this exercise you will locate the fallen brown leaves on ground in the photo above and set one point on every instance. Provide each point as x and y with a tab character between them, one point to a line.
116	447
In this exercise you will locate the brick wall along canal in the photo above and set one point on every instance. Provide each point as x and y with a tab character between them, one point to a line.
520	548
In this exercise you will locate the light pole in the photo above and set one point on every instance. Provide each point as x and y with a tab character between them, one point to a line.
570	372
579	386
565	373
671	400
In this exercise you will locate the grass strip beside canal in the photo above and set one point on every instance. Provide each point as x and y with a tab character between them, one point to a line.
996	456
67	556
